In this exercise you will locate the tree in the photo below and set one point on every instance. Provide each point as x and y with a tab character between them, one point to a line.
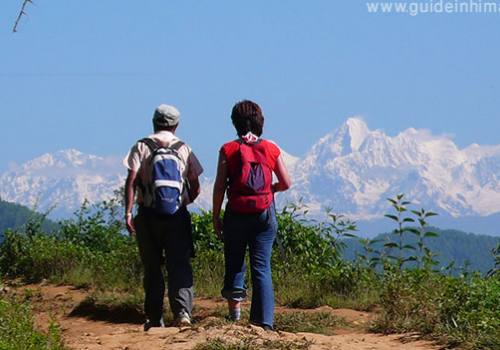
22	12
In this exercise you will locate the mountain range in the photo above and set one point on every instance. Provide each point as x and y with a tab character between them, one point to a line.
61	181
351	170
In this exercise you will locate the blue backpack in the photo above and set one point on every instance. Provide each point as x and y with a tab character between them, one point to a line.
166	183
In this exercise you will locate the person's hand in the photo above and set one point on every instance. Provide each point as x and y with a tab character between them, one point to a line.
129	223
218	227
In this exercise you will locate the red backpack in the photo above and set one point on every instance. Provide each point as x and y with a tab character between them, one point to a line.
250	184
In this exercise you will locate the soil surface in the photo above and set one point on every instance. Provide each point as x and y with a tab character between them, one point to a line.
90	328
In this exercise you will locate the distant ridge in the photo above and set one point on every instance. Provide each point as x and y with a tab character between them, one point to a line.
451	245
15	216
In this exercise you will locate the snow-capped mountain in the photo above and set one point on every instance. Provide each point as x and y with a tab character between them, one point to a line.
352	170
62	181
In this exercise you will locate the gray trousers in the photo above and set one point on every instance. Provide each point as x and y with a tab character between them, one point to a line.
170	235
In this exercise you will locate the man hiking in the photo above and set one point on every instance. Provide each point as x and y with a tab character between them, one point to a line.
163	172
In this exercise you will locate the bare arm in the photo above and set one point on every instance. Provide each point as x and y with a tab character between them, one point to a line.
220	186
129	200
284	181
193	176
194	188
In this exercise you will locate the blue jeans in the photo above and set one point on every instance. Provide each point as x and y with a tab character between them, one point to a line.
257	231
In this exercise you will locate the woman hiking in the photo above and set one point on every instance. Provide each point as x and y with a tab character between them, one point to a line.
245	170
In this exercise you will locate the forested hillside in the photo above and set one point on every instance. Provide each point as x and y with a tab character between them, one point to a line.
13	216
464	249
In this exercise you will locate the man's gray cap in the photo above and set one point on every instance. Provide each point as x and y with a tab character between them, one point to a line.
166	115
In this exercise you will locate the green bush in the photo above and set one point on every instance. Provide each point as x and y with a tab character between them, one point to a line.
40	256
344	285
17	331
460	310
208	273
92	250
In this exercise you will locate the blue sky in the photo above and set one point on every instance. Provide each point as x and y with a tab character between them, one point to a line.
88	74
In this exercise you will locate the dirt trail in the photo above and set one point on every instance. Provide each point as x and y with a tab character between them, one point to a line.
83	329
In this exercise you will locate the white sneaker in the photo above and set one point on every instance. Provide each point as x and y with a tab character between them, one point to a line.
182	319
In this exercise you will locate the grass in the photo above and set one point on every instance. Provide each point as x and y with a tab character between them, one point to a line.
307	272
110	307
298	289
291	321
208	273
253	343
17	330
311	322
458	311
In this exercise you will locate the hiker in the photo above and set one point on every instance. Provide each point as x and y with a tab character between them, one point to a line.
245	170
163	171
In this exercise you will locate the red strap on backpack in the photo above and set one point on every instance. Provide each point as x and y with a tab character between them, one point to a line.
250	184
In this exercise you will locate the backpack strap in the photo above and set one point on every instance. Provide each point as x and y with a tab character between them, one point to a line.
153	146
177	146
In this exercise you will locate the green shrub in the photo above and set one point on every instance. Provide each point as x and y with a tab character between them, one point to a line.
311	322
344	285
17	331
92	250
208	273
40	256
461	311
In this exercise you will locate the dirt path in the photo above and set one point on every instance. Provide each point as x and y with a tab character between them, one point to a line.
86	329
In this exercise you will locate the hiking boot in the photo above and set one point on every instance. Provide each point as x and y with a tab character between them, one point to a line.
182	319
150	324
267	328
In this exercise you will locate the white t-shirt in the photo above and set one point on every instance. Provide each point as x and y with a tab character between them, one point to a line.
138	160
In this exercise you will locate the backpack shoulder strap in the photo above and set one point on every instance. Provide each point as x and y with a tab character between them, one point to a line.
177	146
153	146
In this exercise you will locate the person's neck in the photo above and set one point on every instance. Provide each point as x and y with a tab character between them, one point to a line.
250	137
165	131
